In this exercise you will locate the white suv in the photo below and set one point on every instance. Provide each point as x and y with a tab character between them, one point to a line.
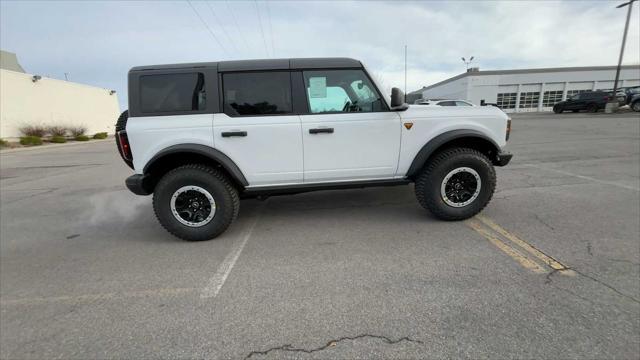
202	136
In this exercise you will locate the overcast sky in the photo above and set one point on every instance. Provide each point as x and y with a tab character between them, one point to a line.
96	42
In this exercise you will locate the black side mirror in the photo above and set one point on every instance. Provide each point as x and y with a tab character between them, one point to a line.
397	100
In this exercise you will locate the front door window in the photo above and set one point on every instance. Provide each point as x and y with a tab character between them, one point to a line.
341	91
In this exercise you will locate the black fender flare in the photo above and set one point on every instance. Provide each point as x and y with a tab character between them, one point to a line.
430	147
209	152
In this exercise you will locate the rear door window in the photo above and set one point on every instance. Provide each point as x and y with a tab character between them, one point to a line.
447	103
183	92
257	93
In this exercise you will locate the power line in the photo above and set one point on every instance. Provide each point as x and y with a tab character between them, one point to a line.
264	41
273	48
235	21
221	26
208	28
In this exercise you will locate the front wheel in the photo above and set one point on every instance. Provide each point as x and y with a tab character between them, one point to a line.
558	109
636	105
592	108
456	184
195	202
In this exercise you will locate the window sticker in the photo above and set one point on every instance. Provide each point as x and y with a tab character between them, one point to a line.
317	87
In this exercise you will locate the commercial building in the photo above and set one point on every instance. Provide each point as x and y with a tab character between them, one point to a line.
527	89
27	99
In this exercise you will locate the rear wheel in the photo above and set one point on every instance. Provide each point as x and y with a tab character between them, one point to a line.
636	105
592	108
456	184
195	202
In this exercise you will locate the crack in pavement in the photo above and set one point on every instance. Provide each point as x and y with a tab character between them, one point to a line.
331	343
554	271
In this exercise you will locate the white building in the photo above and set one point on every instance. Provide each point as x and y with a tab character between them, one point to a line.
27	99
528	89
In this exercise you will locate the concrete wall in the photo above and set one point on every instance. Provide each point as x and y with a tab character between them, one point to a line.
53	102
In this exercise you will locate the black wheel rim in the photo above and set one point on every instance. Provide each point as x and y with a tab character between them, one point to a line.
193	206
460	187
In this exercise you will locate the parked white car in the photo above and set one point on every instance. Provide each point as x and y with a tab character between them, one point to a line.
202	136
443	102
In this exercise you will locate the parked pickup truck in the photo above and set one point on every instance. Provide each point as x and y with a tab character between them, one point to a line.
202	136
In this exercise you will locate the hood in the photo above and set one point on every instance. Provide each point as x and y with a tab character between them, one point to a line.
452	111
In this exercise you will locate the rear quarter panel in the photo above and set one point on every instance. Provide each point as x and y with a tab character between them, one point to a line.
150	134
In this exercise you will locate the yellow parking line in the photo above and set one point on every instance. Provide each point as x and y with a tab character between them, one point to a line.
554	264
513	253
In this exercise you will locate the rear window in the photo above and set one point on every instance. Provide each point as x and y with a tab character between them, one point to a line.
257	93
183	92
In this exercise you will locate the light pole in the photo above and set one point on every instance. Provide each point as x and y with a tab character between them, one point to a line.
624	40
471	59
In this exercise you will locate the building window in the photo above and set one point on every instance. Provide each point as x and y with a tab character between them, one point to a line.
551	98
529	99
570	93
507	100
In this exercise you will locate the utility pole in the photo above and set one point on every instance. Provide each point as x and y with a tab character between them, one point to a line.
624	40
405	73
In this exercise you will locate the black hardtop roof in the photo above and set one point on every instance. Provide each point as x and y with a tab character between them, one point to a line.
261	64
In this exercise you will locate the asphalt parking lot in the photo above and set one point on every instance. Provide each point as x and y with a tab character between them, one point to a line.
550	270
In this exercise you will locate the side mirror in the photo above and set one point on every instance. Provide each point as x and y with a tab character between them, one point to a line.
397	100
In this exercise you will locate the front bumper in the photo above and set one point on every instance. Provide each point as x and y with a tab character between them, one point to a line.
139	184
502	158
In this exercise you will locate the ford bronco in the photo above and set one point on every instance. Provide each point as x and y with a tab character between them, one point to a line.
202	136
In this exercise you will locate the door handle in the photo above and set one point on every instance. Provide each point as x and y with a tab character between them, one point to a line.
233	133
321	130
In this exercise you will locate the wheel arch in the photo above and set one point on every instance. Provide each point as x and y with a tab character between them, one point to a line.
183	154
456	138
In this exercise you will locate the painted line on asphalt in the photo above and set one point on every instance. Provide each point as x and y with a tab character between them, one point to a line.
513	253
505	241
551	262
604	182
217	281
95	297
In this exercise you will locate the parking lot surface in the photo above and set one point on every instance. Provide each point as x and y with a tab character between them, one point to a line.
551	268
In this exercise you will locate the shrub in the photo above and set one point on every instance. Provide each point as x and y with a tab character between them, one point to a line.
30	140
4	143
100	135
58	139
56	130
33	130
77	131
82	138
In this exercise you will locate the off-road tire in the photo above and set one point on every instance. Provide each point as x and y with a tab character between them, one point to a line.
428	183
208	178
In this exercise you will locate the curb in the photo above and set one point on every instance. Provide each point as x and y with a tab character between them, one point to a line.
53	146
